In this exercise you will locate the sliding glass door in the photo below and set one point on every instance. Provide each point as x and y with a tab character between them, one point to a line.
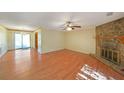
26	41
22	40
18	40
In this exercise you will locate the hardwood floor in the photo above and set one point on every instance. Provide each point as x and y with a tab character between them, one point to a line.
59	65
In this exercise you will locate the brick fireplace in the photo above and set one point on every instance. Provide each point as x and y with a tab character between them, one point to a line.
110	42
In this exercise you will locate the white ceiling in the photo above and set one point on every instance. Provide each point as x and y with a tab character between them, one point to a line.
54	20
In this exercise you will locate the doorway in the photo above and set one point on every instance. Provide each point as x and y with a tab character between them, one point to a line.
22	40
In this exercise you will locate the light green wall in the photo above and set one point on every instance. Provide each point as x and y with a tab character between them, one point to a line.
81	41
33	39
52	40
3	41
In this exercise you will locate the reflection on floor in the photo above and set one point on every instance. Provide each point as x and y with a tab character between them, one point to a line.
89	73
59	65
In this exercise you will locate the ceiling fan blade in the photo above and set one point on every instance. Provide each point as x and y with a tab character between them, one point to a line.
67	30
72	28
76	26
64	29
62	26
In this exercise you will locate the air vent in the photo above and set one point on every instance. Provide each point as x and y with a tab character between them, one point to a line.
109	14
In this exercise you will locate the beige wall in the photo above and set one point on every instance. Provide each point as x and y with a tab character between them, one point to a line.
3	41
81	41
52	41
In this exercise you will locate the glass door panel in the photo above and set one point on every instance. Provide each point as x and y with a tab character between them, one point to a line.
26	41
22	40
18	40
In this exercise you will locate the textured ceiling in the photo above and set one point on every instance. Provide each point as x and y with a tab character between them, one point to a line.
54	20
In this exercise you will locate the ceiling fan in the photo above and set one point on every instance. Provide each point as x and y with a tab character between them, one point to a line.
68	26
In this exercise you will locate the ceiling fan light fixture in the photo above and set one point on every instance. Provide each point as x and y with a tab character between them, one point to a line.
69	24
68	28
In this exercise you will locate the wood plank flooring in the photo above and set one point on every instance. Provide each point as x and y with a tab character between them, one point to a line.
59	65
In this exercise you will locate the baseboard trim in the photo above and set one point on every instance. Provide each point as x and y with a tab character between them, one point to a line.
3	53
52	51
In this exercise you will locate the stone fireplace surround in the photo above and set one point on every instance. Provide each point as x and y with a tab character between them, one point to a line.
110	44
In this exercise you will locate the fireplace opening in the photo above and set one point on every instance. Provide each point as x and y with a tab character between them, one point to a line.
115	57
110	55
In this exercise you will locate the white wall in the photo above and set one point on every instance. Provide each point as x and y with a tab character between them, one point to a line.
52	41
81	41
3	41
